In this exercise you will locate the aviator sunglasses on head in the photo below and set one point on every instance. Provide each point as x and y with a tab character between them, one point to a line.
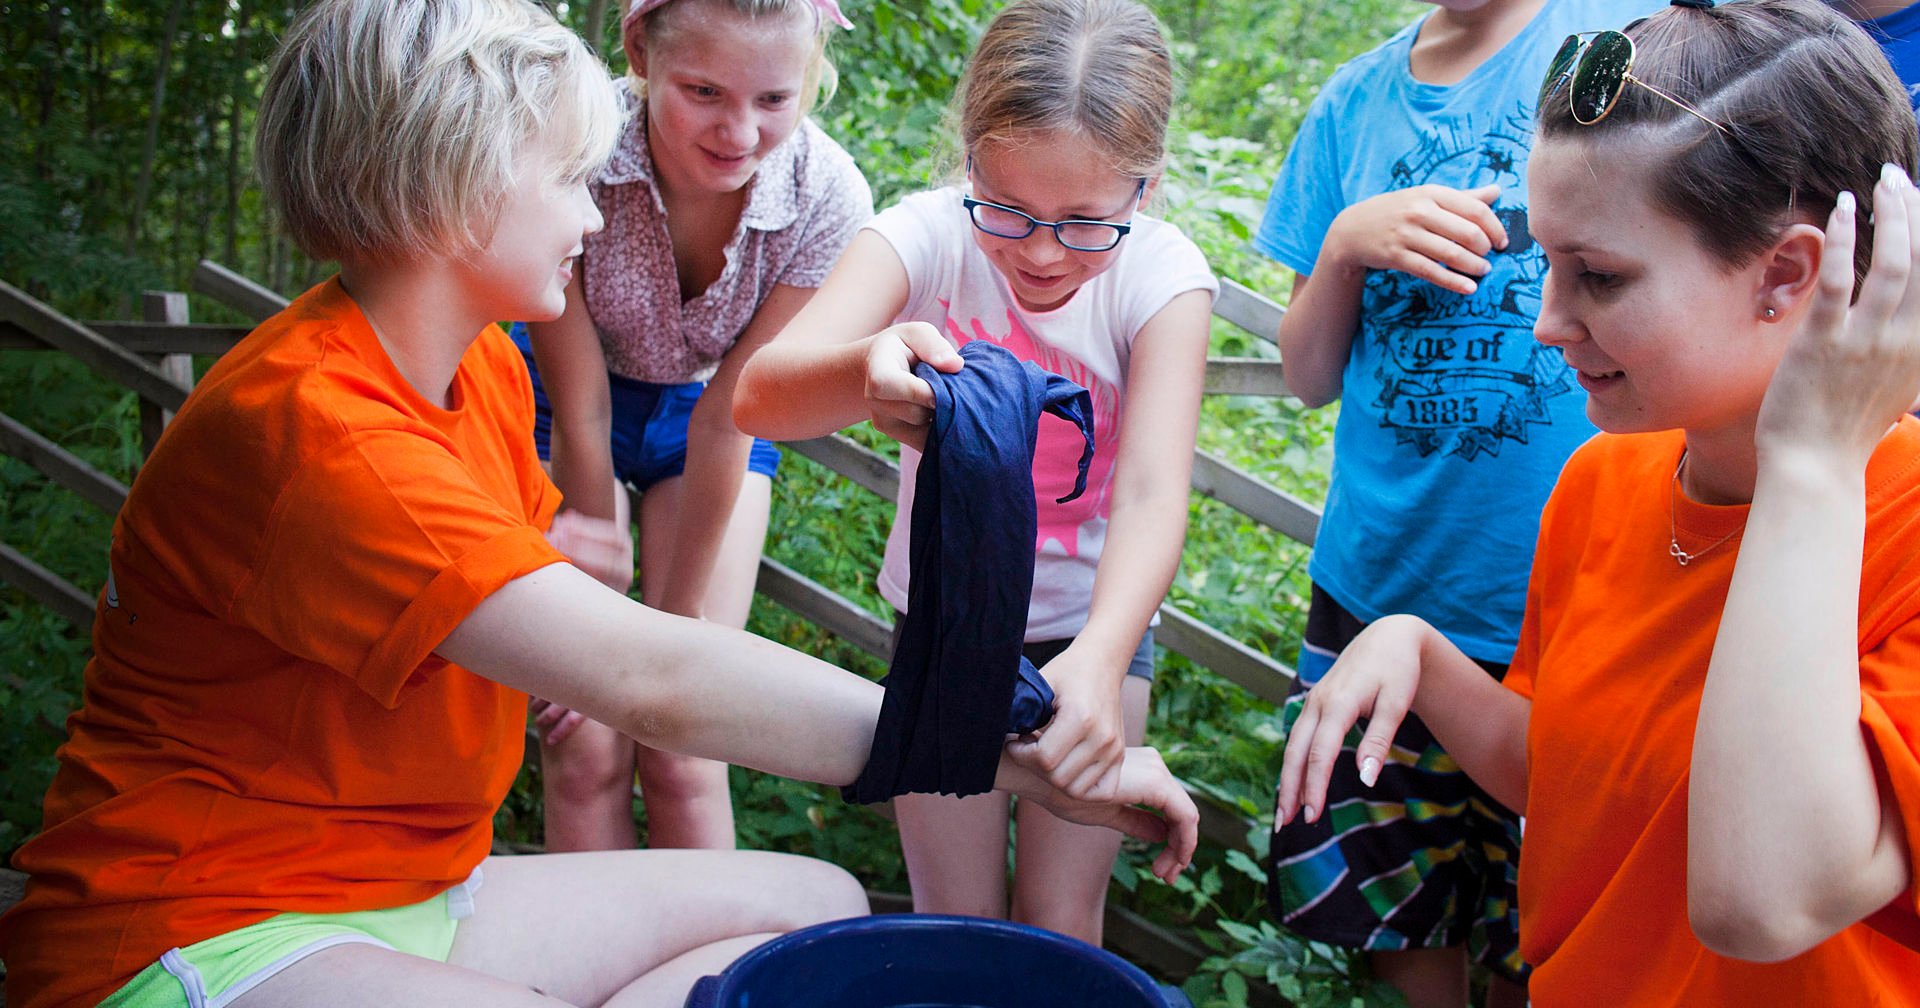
1595	67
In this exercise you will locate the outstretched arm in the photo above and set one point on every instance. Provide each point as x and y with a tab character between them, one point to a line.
697	688
1783	783
1397	664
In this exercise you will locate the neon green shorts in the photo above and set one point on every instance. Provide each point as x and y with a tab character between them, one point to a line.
212	973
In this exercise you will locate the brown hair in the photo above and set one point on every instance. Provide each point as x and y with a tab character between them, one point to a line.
1099	68
1810	106
821	80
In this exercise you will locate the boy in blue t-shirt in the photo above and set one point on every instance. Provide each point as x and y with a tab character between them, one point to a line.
1402	209
1895	24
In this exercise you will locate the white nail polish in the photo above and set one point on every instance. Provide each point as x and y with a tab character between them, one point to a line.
1845	203
1369	771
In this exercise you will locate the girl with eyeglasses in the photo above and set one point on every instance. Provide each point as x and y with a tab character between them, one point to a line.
1043	249
1712	723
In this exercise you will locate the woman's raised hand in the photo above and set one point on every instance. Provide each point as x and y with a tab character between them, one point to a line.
1853	368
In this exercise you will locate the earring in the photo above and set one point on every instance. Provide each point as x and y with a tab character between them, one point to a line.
1770	313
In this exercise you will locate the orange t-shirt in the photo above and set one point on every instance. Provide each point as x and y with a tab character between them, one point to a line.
1614	652
265	727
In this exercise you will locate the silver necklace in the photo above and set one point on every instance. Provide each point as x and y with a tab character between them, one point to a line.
1680	556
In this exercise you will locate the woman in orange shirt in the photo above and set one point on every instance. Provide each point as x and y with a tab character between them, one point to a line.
1713	720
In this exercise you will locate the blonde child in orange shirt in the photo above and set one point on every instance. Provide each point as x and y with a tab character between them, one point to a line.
1713	721
339	576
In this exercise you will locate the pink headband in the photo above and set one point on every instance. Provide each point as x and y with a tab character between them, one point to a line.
828	9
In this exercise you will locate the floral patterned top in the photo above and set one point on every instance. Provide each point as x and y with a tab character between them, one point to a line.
806	202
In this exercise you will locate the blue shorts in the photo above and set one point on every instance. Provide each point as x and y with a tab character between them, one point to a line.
649	435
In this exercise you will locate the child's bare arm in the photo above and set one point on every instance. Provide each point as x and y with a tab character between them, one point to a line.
717	455
705	690
1432	232
1395	665
573	370
1146	529
814	378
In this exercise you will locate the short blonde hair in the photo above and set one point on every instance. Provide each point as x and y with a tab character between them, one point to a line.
821	80
388	128
1098	68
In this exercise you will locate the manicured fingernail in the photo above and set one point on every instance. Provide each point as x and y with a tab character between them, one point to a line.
1845	203
1369	770
1308	815
1891	174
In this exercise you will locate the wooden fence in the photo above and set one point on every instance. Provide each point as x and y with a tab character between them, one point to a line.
153	358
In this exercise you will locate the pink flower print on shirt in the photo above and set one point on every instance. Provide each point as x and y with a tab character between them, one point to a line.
1061	527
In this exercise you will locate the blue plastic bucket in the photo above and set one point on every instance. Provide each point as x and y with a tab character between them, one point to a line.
926	961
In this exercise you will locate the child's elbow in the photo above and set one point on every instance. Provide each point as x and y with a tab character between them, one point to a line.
749	406
1744	926
1313	390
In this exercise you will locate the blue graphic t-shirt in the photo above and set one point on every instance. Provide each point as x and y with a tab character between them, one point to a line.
1453	422
1899	36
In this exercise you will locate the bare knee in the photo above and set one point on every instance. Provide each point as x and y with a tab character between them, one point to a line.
1427	977
580	773
1086	923
949	896
832	893
670	777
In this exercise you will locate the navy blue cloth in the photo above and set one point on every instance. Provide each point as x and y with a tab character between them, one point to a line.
958	684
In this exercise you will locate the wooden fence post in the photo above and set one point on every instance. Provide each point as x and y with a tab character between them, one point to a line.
169	307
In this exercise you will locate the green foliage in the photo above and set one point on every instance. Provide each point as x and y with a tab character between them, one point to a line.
897	71
41	654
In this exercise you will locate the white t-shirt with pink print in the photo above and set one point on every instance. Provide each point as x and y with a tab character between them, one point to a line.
1088	340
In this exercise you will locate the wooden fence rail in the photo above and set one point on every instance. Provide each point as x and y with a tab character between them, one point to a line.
119	351
26	322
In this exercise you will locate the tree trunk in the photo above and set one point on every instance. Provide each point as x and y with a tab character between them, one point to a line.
48	88
148	149
239	98
596	33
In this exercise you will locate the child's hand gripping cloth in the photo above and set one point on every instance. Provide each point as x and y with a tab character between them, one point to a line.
958	684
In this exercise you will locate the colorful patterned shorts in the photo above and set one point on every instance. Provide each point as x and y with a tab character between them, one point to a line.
1424	859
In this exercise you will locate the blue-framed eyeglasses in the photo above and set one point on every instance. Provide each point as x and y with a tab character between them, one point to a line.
1079	235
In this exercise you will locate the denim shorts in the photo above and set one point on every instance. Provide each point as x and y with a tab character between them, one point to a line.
649	435
214	972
